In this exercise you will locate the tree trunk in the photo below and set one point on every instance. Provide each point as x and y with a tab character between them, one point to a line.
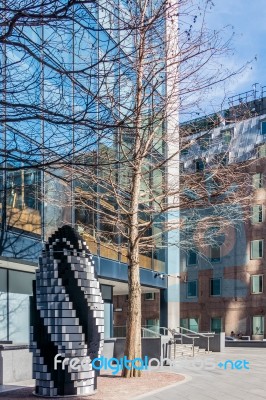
133	335
133	340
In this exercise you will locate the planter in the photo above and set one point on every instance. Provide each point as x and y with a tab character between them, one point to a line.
257	337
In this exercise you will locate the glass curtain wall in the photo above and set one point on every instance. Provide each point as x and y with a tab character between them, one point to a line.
36	200
15	289
20	136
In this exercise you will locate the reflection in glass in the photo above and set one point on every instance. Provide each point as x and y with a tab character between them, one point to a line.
3	304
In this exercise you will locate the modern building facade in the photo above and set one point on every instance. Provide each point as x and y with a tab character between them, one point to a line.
223	274
38	194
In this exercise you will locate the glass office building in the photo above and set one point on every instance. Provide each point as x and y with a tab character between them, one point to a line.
62	83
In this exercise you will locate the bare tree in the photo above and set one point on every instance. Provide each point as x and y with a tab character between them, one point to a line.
91	97
134	191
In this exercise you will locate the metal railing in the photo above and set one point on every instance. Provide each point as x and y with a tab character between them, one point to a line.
146	331
207	335
165	330
154	331
183	335
174	340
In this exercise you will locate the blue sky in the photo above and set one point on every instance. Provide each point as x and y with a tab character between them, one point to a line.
247	18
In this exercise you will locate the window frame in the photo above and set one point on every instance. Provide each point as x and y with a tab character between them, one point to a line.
251	252
212	259
221	158
262	319
261	148
203	163
259	213
187	321
151	298
192	281
263	127
184	152
151	325
215	279
221	325
192	264
225	160
223	131
251	283
204	141
260	181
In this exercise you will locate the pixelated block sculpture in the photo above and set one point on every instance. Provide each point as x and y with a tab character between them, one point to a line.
67	317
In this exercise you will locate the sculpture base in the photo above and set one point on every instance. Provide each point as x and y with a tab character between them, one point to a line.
65	397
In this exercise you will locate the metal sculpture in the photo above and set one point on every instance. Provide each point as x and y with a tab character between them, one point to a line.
66	318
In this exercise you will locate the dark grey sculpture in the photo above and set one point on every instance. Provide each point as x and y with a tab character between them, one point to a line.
67	317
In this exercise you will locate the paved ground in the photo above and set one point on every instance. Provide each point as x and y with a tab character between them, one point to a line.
220	384
110	387
204	380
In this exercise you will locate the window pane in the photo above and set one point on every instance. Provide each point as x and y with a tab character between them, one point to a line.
20	287
258	325
184	323
199	165
192	257
262	151
204	142
3	304
256	214
153	324
227	136
216	325
257	181
3	280
225	160
215	253
106	292
23	200
20	282
108	318
263	127
18	317
149	296
216	287
192	289
184	152
256	249
194	324
257	284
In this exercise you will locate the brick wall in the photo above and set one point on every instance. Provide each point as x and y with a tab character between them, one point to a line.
150	309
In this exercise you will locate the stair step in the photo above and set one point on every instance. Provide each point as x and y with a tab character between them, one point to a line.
183	350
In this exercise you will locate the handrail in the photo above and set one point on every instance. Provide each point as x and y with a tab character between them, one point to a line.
120	330
167	329
186	336
150	331
207	335
173	332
